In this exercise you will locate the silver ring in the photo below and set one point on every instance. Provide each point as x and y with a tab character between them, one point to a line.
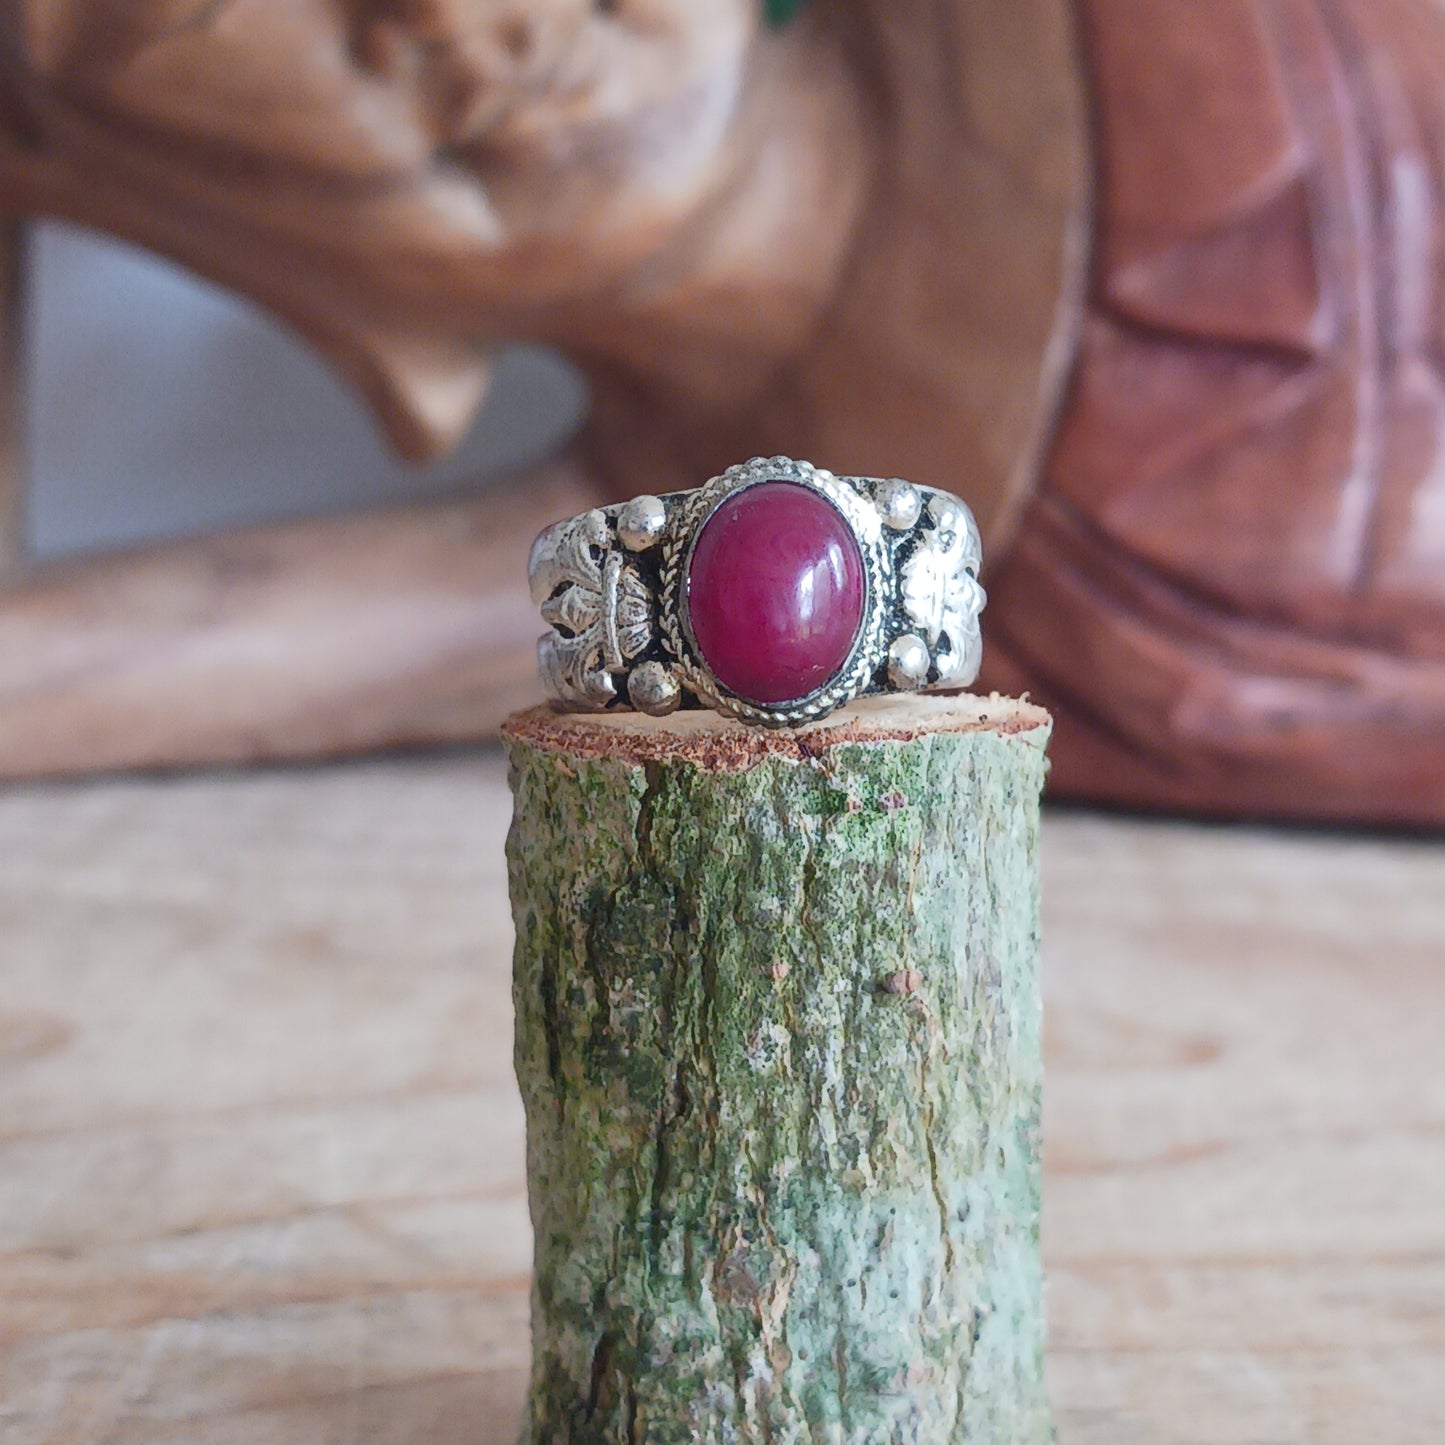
775	593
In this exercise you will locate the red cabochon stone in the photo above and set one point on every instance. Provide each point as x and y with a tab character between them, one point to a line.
775	592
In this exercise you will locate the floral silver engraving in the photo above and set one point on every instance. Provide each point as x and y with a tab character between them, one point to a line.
940	591
598	606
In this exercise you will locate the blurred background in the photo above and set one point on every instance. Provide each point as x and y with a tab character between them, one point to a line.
157	406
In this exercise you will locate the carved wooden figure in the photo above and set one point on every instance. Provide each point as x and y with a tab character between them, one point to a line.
1155	284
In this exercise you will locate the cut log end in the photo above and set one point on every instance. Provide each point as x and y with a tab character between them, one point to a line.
721	744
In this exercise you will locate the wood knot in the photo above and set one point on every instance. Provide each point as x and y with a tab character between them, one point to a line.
905	981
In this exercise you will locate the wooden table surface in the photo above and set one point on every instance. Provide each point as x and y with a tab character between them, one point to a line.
261	1154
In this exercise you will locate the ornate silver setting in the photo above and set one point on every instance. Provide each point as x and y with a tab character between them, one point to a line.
612	585
940	590
684	527
599	608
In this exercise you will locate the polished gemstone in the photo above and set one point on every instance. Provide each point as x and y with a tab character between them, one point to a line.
775	592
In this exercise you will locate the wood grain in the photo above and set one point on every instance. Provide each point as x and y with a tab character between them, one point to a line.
261	1153
1228	586
748	240
407	626
1159	288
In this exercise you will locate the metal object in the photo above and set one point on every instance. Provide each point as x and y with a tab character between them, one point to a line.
613	585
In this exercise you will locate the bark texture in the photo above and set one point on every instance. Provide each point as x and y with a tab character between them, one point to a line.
778	1040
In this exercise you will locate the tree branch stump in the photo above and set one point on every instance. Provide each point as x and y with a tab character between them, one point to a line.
778	1039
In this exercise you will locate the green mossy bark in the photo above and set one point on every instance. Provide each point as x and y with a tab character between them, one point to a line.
778	1040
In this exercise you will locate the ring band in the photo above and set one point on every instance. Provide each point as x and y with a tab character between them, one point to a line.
775	593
